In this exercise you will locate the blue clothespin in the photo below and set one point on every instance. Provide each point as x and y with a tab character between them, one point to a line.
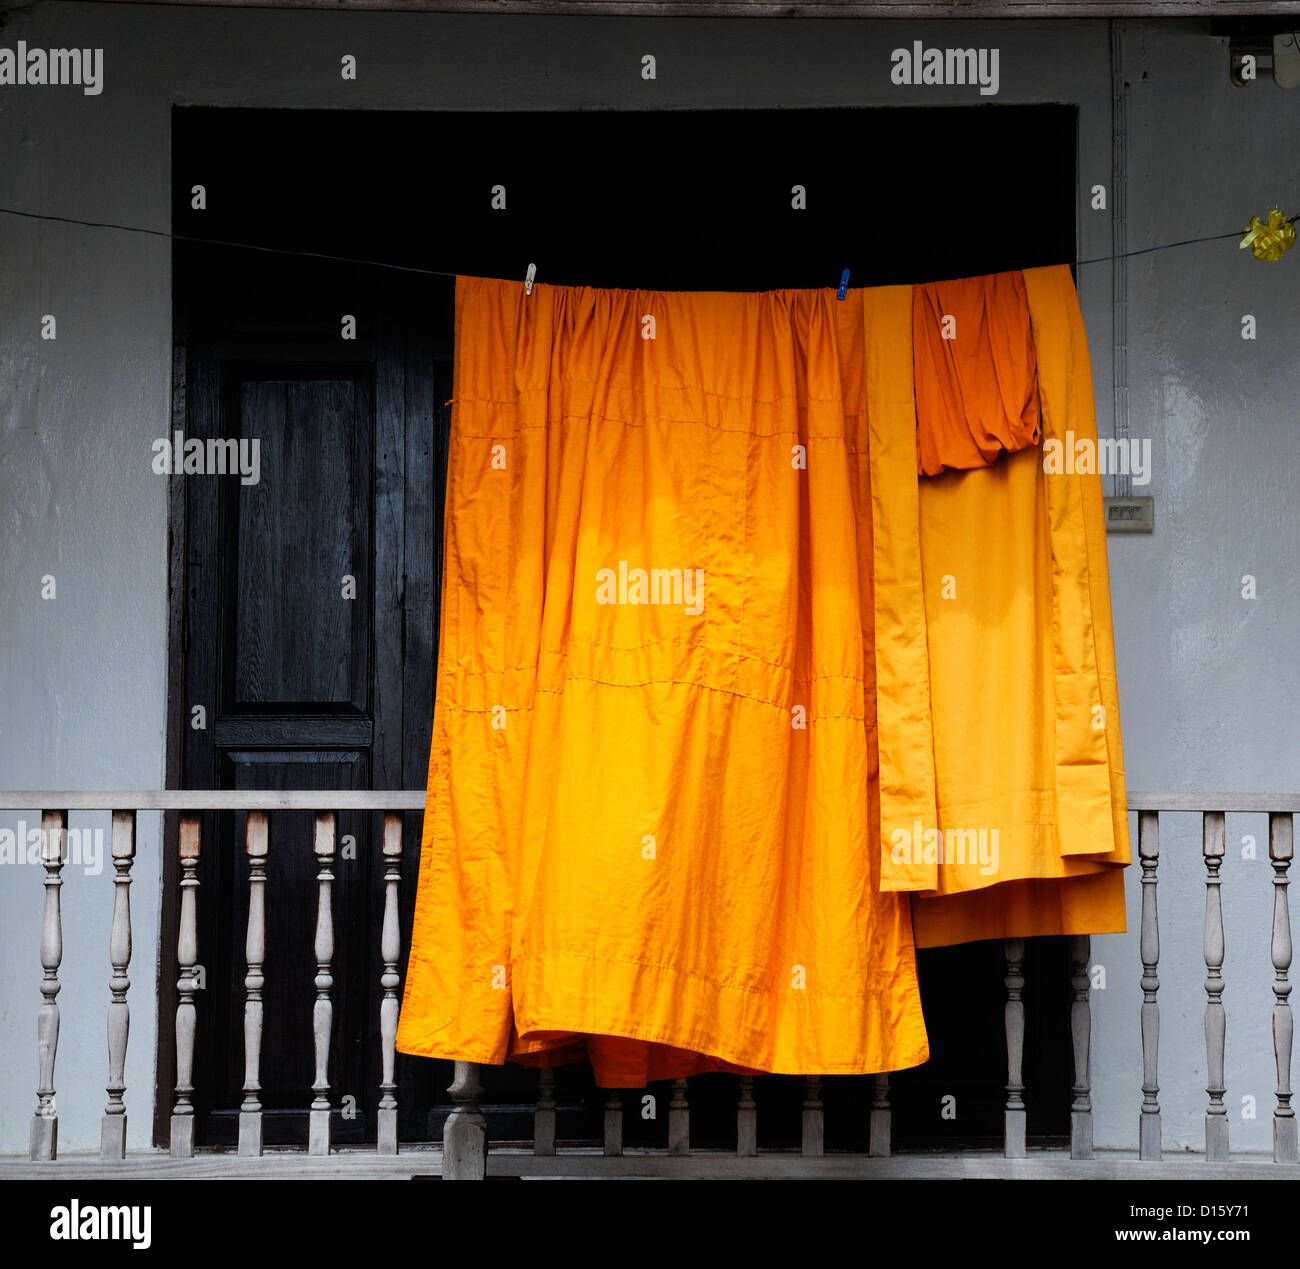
844	285
528	279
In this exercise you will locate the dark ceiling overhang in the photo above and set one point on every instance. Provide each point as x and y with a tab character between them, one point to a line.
911	9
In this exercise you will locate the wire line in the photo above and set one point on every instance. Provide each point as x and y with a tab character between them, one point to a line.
442	273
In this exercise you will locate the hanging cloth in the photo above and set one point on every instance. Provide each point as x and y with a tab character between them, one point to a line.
730	597
1024	698
975	371
655	767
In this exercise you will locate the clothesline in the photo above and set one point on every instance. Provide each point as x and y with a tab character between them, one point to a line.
442	273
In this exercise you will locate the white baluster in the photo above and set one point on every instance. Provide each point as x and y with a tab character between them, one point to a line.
322	1015
613	1122
112	1133
1081	1036
746	1119
878	1143
1149	853
187	955
256	844
464	1135
814	1127
1014	1022
544	1115
1216	1113
1281	846
43	1142
390	950
679	1120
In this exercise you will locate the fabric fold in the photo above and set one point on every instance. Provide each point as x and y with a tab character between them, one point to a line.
902	696
1089	762
976	390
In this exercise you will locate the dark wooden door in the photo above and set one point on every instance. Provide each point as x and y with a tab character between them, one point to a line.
307	609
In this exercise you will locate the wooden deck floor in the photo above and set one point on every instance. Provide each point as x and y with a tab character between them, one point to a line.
506	1162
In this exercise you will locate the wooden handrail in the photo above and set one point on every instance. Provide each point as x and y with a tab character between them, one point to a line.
215	800
414	800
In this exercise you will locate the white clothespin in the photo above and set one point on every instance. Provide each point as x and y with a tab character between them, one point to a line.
528	279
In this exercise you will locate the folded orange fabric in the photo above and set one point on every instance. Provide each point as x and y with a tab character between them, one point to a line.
976	390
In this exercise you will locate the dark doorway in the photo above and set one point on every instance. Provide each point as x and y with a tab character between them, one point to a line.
339	216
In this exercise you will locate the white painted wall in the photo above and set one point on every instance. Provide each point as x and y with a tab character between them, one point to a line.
1207	685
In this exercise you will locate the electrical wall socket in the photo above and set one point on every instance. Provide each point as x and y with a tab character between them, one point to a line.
1130	515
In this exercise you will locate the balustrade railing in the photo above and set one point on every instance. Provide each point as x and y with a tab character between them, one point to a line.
465	1144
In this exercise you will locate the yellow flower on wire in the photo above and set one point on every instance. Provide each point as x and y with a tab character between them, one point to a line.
1269	240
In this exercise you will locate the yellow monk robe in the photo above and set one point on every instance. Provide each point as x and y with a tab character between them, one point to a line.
652	782
1021	654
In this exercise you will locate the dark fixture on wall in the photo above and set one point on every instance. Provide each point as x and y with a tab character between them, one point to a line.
1259	47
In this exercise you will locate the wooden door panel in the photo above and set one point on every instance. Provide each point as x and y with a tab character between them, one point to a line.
299	531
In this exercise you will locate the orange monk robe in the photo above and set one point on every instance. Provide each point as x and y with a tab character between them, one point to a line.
517	877
1022	680
975	371
646	833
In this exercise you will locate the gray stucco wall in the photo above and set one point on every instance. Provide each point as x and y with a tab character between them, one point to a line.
1207	685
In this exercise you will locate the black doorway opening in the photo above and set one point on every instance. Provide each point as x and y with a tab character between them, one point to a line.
339	214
